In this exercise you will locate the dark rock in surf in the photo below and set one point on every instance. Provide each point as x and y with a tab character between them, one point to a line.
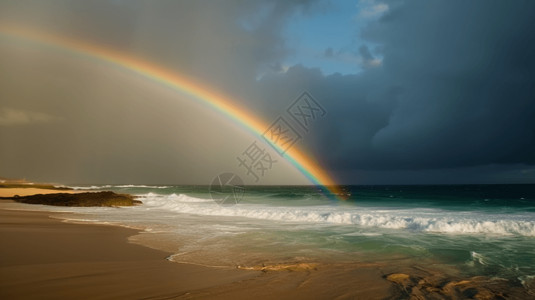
80	199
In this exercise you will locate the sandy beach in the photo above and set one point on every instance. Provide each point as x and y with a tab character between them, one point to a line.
10	192
44	258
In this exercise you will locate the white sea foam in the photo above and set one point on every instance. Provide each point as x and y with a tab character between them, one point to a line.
528	281
168	201
107	186
92	187
480	258
425	220
142	186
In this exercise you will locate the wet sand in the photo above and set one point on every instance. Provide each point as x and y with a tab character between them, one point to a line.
44	258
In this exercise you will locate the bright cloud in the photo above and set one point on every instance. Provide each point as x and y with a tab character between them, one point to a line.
371	8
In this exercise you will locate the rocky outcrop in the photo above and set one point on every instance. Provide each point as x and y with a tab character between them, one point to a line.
434	286
80	199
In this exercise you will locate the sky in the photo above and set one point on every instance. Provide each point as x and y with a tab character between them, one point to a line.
413	92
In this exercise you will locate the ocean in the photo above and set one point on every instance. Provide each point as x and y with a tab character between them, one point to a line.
486	230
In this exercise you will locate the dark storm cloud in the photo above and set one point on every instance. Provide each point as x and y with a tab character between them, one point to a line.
456	88
367	58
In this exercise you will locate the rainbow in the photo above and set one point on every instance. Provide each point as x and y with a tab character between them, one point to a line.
179	83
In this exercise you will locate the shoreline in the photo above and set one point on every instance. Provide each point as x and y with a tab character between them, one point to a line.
46	258
55	259
51	256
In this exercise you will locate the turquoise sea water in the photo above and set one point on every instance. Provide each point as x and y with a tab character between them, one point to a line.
479	229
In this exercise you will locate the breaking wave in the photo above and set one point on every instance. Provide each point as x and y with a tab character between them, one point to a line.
424	220
108	186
